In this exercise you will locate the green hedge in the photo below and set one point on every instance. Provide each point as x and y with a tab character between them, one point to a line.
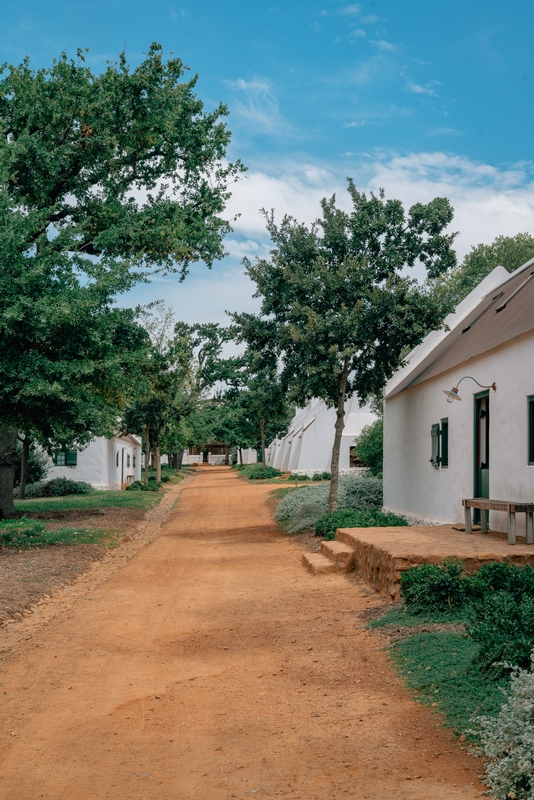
58	487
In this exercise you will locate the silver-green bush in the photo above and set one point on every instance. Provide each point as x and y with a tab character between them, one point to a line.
294	500
305	517
508	741
355	493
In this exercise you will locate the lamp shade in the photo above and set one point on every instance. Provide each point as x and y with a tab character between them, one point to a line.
452	394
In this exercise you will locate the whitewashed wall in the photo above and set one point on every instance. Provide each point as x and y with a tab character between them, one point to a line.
308	444
97	463
413	486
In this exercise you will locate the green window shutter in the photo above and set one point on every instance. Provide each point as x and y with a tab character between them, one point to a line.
434	460
444	443
59	458
72	458
531	430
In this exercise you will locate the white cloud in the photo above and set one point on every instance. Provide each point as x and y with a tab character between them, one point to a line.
381	44
488	201
257	105
416	88
349	10
358	33
369	19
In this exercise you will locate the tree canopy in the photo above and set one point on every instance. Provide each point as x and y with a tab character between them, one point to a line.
510	252
337	305
104	179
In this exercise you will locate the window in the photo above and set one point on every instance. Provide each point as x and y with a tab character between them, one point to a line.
66	458
444	463
440	444
128	460
531	430
134	460
117	459
434	458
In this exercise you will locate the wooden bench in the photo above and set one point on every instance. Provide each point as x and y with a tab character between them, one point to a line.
500	505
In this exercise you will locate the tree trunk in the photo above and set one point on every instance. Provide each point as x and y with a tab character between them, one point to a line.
157	459
24	466
8	461
340	425
147	452
262	433
240	456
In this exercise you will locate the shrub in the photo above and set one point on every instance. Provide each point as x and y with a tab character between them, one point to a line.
359	494
58	487
165	478
38	465
433	587
507	741
369	446
504	630
346	518
355	493
300	478
307	494
151	486
258	474
502	576
321	476
305	517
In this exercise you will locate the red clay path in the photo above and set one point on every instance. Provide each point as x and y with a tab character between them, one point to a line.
212	666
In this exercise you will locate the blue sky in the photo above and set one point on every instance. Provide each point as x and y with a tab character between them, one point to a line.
421	98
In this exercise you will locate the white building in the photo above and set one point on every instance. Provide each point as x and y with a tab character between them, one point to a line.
307	446
104	463
438	453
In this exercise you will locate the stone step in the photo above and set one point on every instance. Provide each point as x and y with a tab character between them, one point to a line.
340	553
318	564
348	536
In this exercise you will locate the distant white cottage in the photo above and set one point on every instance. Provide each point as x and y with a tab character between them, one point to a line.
307	446
104	463
437	453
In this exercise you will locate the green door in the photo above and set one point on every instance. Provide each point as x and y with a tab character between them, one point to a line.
482	456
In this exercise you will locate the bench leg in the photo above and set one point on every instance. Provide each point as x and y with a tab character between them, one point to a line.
511	527
483	521
530	527
468	525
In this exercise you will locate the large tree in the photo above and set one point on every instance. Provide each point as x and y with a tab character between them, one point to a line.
337	302
103	179
509	252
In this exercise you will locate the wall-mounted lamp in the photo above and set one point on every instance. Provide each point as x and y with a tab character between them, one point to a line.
452	394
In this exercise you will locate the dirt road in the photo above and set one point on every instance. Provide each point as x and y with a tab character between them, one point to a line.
212	666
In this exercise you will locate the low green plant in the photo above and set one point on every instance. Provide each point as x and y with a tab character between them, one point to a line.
25	533
508	739
327	525
433	587
321	476
504	631
138	486
305	518
257	473
106	499
441	669
58	487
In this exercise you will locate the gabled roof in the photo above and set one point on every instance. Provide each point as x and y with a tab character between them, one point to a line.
504	311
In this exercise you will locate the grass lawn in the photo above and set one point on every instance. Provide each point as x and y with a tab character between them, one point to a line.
440	668
118	499
27	533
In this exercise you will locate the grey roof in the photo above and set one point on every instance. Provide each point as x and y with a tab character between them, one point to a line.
501	316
